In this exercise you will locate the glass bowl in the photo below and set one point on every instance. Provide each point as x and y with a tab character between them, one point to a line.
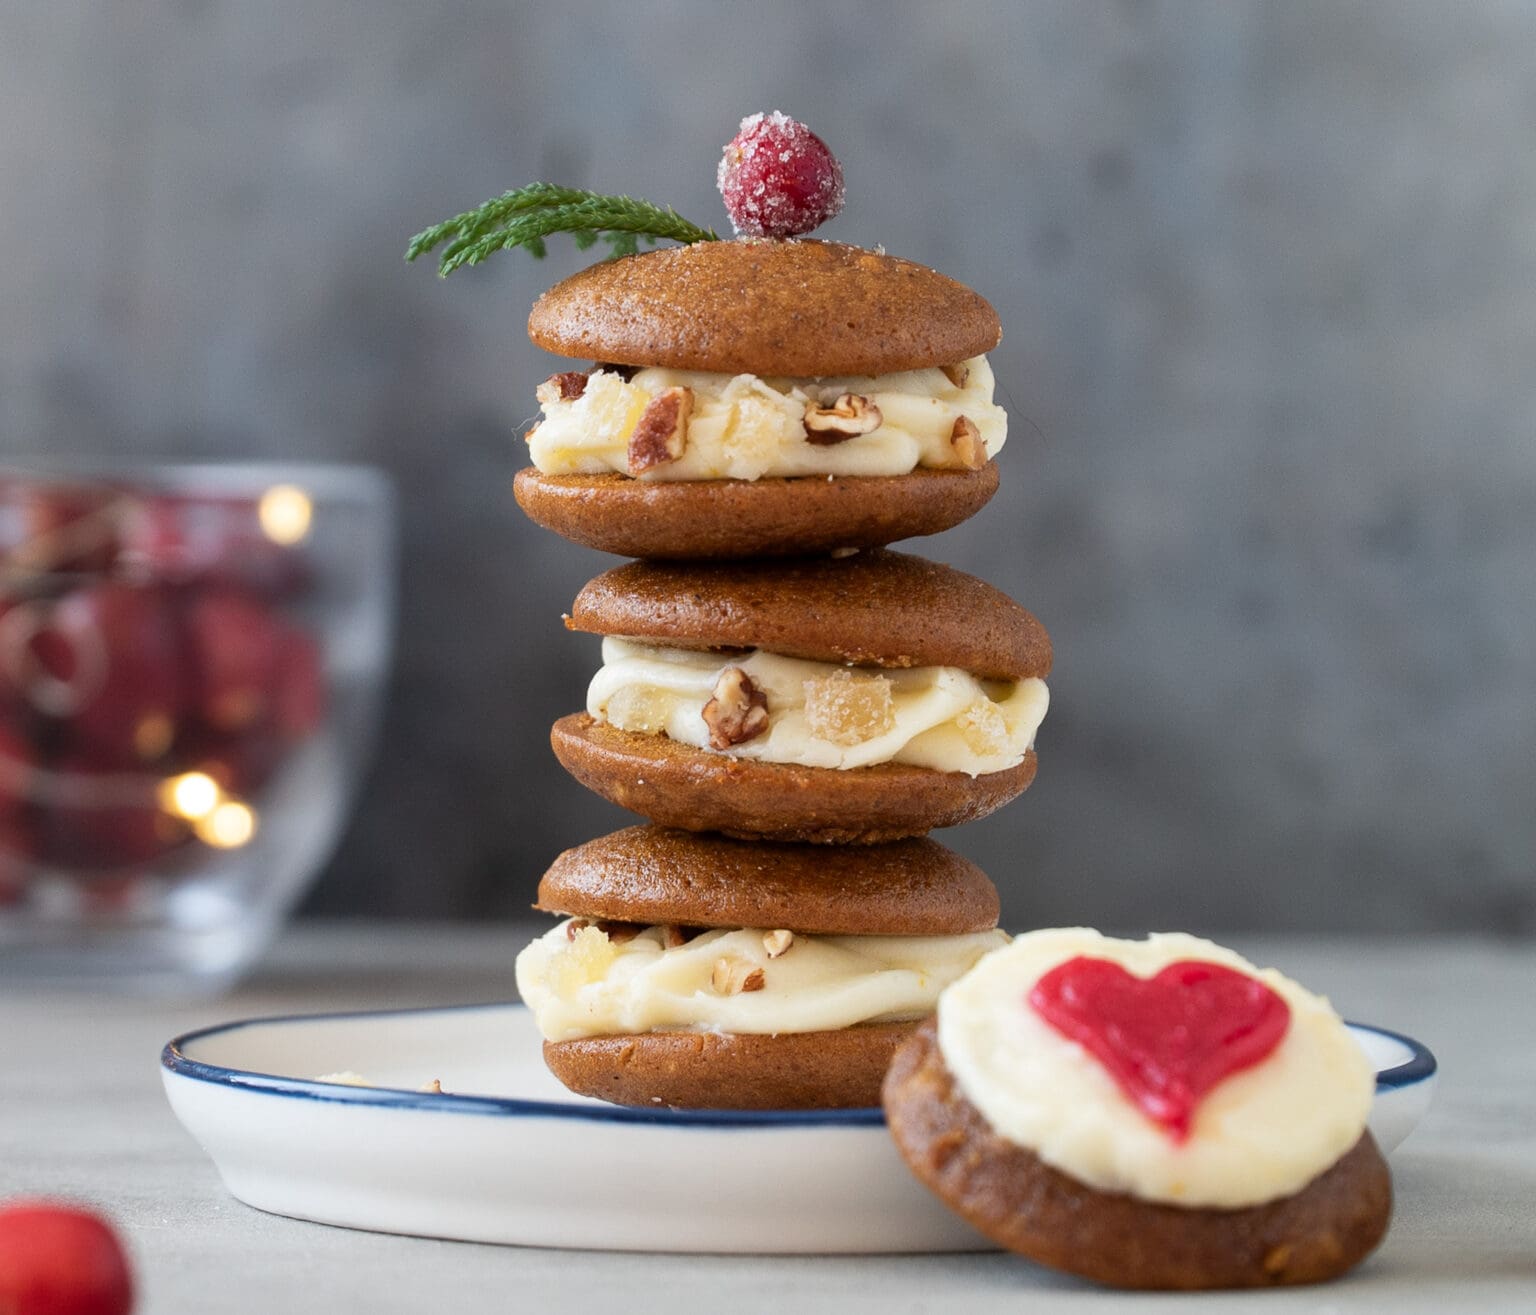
191	661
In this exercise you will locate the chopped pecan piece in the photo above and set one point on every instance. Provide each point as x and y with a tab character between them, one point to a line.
848	417
966	439
661	433
565	387
959	375
778	942
432	1088
734	976
737	710
673	936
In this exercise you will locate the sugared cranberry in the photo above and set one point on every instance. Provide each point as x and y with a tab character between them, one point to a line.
104	660
104	841
235	643
206	540
18	766
50	528
60	1259
239	763
16	848
98	817
778	178
300	687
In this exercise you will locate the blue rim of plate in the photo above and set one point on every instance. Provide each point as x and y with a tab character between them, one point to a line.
1420	1065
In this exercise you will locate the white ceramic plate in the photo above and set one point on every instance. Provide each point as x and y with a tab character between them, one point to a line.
523	1160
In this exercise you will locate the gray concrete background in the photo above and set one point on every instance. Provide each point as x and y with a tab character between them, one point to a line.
1266	274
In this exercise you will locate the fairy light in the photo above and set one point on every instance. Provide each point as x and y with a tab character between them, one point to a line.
285	513
191	795
228	826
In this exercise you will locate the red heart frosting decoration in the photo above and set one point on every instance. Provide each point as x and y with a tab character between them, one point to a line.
1169	1039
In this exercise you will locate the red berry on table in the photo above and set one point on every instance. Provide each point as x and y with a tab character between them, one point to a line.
778	178
60	1259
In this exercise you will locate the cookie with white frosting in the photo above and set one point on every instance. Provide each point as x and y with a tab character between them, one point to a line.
854	699
761	398
1147	1114
700	972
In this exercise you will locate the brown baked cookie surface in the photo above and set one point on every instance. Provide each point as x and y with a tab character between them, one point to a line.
732	1071
696	790
765	307
750	518
655	876
875	607
1020	1202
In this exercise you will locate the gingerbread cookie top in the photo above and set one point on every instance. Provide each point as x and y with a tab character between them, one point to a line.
875	608
765	307
1169	1069
651	875
766	304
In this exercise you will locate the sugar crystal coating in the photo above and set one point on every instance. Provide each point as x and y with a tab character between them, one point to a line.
844	708
778	178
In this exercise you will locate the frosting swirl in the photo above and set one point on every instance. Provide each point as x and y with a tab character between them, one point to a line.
746	427
821	714
581	982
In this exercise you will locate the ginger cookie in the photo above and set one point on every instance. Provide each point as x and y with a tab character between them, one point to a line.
853	699
761	398
702	972
1156	1114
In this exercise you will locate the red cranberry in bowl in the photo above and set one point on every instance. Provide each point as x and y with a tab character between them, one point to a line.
105	661
235	645
97	818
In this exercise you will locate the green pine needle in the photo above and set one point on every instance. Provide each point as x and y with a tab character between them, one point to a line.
524	218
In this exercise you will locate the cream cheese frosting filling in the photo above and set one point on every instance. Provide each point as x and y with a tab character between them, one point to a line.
746	427
1260	1134
580	982
821	714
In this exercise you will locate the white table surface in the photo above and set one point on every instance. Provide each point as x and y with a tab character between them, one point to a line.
82	1114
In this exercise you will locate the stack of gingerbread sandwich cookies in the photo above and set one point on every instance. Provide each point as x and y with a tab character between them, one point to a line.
792	704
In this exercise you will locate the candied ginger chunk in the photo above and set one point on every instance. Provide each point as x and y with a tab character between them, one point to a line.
583	961
613	405
848	708
983	728
755	431
634	708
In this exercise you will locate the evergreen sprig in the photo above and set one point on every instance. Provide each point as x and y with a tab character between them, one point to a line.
524	218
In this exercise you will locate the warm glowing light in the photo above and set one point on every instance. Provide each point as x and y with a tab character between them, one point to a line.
190	795
285	513
228	826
